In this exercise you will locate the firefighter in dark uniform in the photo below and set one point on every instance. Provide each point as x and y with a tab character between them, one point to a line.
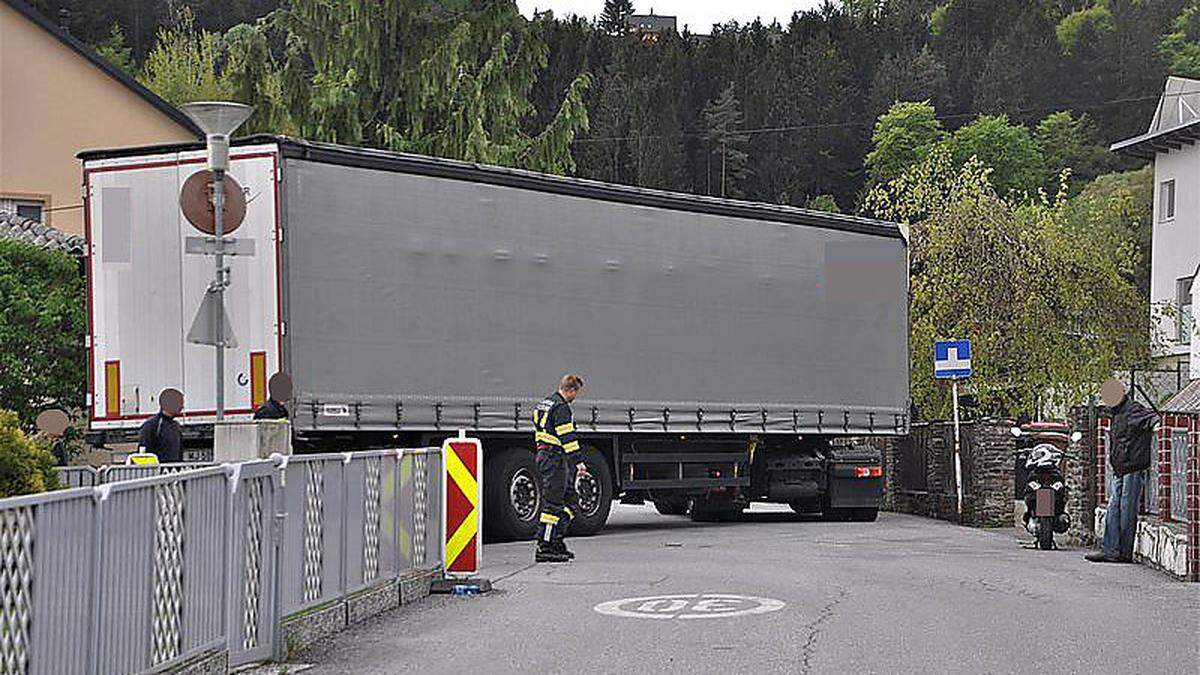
557	450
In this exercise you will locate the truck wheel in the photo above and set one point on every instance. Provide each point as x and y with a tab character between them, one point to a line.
511	496
595	493
671	506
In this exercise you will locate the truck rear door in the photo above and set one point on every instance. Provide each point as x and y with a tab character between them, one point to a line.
144	290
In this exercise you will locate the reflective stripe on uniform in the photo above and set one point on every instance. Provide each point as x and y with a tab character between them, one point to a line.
570	513
564	428
549	519
571	447
548	439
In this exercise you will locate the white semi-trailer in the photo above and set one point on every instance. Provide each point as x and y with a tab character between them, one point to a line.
731	349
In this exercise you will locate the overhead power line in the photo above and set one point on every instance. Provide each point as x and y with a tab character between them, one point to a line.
869	123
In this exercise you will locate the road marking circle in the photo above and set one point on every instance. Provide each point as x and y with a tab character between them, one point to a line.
689	606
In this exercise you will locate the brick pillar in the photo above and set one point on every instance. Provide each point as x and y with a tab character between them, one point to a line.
1193	499
888	448
989	473
1080	502
1166	430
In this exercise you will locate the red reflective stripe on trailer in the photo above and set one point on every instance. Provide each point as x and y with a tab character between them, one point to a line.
186	413
170	162
868	472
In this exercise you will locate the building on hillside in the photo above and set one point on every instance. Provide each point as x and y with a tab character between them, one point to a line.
57	98
651	26
1170	143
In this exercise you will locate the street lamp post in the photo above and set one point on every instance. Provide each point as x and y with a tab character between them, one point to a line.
218	120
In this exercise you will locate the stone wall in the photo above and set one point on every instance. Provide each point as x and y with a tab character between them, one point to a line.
1081	477
311	626
920	473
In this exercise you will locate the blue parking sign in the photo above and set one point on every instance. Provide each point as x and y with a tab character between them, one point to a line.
952	359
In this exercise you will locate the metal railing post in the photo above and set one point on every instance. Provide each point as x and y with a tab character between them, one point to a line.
344	554
100	495
231	475
278	522
396	514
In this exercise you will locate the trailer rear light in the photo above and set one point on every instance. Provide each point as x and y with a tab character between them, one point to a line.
868	472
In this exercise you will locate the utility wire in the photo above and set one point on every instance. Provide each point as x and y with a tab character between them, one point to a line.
862	123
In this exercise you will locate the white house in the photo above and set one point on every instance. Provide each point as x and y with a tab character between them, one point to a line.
1171	144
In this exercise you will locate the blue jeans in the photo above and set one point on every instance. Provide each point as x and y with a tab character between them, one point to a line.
1120	522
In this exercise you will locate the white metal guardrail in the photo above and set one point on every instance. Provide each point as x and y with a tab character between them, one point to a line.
86	476
142	574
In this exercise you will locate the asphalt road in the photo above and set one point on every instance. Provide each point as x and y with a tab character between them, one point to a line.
901	595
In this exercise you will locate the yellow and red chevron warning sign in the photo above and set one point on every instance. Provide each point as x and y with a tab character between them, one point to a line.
462	515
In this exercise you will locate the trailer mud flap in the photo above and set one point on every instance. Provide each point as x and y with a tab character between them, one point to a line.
855	477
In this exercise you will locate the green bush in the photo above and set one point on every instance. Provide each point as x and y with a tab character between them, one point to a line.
26	466
42	325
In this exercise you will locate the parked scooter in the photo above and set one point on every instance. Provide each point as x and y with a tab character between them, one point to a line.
1046	487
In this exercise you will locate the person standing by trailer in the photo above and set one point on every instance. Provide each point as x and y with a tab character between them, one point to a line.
279	392
554	436
161	434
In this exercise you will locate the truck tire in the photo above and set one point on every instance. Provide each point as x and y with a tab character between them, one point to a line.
511	496
595	493
671	506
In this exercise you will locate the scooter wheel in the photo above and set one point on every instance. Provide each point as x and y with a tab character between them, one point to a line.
1045	533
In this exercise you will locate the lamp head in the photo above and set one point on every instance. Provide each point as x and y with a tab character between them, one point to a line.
218	120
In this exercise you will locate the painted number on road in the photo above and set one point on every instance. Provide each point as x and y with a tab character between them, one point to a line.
696	606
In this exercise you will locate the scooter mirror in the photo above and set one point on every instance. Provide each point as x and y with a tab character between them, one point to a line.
1015	431
1075	436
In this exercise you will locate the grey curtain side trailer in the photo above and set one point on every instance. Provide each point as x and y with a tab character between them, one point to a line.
727	346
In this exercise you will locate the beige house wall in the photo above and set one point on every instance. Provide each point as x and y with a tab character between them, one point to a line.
55	103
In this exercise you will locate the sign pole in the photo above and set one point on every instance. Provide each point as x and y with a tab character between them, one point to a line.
218	120
958	479
952	361
218	198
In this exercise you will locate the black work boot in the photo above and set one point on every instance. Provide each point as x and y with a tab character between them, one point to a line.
546	553
560	546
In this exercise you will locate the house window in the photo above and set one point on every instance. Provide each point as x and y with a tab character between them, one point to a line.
1183	305
25	208
32	211
1166	200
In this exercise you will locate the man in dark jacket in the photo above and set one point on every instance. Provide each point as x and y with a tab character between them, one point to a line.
161	434
1132	434
279	391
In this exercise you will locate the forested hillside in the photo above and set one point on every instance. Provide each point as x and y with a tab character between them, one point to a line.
768	112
